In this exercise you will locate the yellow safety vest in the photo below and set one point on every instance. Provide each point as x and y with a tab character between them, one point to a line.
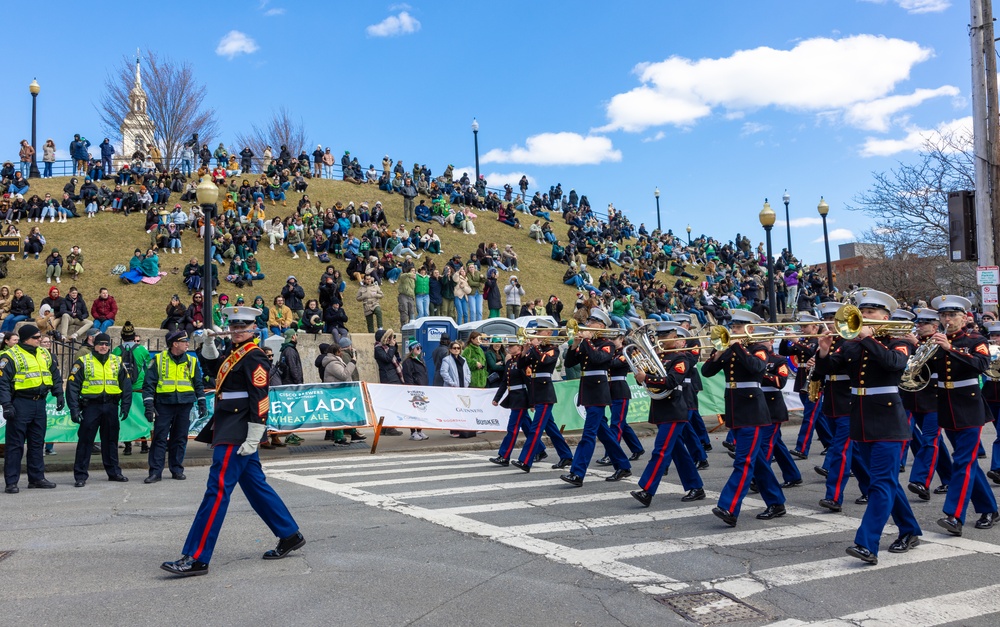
101	378
32	370
174	377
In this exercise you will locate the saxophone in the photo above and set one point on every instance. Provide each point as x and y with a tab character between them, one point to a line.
815	386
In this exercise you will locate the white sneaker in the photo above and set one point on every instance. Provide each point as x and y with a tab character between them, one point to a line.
51	220
307	256
424	436
272	246
180	251
58	280
48	280
415	436
295	256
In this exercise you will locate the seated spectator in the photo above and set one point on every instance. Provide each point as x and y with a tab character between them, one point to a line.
53	266
34	243
175	314
104	310
73	315
280	317
21	308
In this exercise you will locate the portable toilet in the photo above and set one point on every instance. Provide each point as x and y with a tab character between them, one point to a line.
428	331
530	322
490	326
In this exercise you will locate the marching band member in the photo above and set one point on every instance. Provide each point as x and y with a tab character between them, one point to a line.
813	419
670	415
902	315
691	389
775	377
878	424
620	397
743	366
959	361
594	354
514	383
991	393
931	453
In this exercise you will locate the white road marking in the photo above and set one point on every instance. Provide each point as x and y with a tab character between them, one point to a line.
367	462
612	521
395	471
577	498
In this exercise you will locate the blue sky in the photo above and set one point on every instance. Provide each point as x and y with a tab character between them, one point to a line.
718	104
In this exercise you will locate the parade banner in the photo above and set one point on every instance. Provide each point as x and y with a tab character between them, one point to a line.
424	407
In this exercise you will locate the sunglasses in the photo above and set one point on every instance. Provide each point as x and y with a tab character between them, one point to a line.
36	337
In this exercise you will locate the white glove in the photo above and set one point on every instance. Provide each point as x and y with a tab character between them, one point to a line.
255	432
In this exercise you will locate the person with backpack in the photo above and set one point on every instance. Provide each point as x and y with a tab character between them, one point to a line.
135	357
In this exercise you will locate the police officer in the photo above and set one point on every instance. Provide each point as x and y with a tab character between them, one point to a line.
594	354
668	411
743	363
514	383
27	376
960	359
991	394
621	394
878	423
172	386
930	453
235	430
803	349
775	377
540	358
99	395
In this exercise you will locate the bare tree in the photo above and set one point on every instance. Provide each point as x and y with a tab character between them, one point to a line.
279	130
175	102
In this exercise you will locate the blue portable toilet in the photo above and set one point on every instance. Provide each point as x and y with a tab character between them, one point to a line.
428	331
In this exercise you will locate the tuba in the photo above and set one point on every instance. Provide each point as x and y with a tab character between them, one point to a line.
640	353
918	370
993	372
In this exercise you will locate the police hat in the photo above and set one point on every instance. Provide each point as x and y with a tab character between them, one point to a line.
873	299
598	314
902	314
926	314
742	316
176	336
950	302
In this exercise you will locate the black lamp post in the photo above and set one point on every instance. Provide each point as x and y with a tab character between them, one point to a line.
788	224
689	234
208	194
475	139
767	218
824	209
656	192
34	88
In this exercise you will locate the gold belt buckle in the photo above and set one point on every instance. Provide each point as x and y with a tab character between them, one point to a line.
861	391
949	385
732	385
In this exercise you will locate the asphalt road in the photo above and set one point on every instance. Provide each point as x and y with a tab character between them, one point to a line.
415	538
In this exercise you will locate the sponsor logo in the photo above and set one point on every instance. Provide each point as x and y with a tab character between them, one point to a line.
466	400
418	400
488	422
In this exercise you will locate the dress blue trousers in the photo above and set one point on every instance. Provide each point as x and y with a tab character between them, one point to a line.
621	428
665	448
885	495
840	462
931	454
698	424
995	457
968	481
749	464
519	420
777	451
813	420
595	427
543	422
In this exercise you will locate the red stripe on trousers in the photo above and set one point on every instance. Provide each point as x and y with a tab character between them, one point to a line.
662	456
812	420
963	496
538	434
843	467
770	447
746	468
934	457
621	420
218	501
517	429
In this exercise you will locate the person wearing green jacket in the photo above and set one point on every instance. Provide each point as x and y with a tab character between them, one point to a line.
476	358
421	291
494	364
136	358
476	281
619	312
406	298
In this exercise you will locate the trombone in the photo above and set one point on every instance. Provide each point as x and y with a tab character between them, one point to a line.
561	337
609	334
502	340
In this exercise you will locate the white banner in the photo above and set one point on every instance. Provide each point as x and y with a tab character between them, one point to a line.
425	407
792	400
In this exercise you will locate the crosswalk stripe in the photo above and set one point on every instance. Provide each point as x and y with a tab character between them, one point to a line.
573	499
611	521
381	457
476	489
353	462
395	471
484	471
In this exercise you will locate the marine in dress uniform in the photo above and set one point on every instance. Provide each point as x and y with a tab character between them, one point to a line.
541	358
594	355
931	453
775	377
235	430
27	376
513	382
743	366
903	315
670	415
991	394
621	394
878	423
960	360
813	420
172	385
694	418
99	395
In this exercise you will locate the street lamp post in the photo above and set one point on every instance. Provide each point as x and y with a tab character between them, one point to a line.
689	234
824	209
788	225
208	194
656	192
767	218
475	139
34	88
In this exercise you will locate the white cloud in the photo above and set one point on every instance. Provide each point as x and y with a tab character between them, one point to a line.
399	7
498	179
916	138
752	128
816	75
273	12
875	115
654	138
402	24
837	235
557	149
235	43
918	6
802	222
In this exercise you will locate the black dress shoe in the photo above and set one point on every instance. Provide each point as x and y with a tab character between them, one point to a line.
119	479
702	465
862	554
286	546
11	489
180	476
707	447
128	449
520	465
986	521
724	514
941	489
604	461
821	471
920	490
565	462
994	476
824	451
80	483
791	484
861	500
540	456
186	566
726	444
982	455
44	484
902	468
697	494
797	454
951	524
731	454
904	543
500	461
151	479
833	506
572	479
772	511
642	496
636	455
753	487
619	474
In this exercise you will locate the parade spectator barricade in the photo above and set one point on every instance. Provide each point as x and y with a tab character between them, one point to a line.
490	326
428	332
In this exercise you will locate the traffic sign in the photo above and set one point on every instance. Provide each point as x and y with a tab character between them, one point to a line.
987	275
990	295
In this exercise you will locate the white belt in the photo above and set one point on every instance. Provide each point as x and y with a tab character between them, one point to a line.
515	387
767	388
231	395
885	389
957	384
742	384
687	380
838	377
594	373
618	379
543	375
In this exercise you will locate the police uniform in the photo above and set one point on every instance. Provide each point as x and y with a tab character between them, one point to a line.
991	394
775	377
746	414
514	383
99	395
235	429
621	394
27	376
813	420
541	361
930	452
962	414
172	385
594	356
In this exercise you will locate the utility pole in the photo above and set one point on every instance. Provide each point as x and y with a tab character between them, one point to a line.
992	123
984	121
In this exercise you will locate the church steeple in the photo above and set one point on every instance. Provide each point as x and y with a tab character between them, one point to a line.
138	76
137	129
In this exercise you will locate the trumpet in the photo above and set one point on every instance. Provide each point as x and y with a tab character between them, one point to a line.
561	337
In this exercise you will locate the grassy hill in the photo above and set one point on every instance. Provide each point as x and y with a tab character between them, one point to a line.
110	239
